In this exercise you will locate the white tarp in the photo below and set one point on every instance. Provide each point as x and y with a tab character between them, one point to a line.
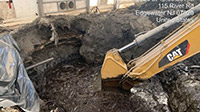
15	86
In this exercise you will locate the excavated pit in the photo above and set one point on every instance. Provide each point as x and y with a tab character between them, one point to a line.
78	45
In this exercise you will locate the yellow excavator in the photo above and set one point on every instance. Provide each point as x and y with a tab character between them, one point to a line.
179	45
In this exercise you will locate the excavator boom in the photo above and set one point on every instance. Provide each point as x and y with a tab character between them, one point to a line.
178	46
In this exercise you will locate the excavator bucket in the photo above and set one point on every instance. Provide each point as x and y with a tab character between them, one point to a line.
113	69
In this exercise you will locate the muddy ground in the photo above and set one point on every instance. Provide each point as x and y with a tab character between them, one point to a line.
78	44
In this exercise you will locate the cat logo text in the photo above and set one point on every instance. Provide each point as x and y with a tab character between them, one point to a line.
175	54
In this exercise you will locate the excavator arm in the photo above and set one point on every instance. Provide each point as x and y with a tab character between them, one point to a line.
176	47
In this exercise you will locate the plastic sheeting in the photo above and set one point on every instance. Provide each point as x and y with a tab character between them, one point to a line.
15	86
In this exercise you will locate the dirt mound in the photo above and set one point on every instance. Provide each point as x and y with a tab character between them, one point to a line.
109	31
97	33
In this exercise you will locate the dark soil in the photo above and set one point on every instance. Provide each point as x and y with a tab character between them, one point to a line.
75	87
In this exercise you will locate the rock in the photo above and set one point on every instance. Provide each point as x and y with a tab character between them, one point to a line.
184	95
151	95
11	109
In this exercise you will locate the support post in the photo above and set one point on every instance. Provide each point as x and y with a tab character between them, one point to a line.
40	8
88	6
115	5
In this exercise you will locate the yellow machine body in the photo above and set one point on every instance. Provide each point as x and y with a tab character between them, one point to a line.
178	46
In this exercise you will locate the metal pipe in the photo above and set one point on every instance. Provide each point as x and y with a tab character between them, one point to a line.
40	63
193	11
